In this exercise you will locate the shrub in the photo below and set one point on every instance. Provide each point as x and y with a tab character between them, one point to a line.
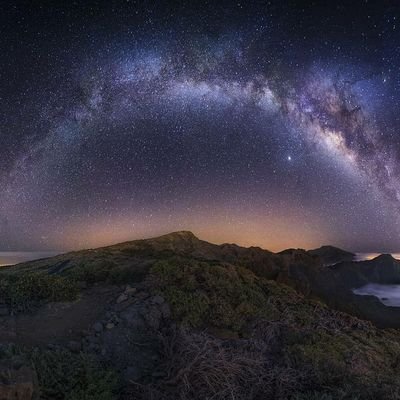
24	291
68	376
202	294
63	375
106	271
308	350
198	366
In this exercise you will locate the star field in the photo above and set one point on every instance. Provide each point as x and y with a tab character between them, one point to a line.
263	124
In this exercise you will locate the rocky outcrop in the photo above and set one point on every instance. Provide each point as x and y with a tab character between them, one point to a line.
127	336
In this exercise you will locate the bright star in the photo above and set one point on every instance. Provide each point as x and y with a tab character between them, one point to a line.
289	158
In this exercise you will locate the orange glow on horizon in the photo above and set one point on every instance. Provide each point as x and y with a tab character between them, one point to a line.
273	232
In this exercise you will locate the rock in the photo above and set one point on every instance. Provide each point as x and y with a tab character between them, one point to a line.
125	304
4	311
122	297
132	348
130	290
110	325
132	317
165	310
92	347
74	346
152	317
98	327
18	381
92	339
157	299
132	373
114	320
142	295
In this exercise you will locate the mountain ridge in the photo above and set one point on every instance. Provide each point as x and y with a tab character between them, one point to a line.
310	272
178	317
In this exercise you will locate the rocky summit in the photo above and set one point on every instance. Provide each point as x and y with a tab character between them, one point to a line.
175	317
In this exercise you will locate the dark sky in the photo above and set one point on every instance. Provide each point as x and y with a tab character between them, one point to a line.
262	123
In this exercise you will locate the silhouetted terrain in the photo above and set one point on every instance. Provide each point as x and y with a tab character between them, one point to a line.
176	317
332	255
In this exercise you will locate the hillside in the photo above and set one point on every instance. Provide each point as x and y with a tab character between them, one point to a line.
332	255
176	317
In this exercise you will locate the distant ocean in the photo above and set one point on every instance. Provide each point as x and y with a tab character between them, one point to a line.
15	257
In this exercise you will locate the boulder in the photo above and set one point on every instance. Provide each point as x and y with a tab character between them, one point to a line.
165	310
4	311
152	316
98	327
132	317
157	300
130	290
122	297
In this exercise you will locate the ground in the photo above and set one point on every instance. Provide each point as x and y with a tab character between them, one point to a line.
179	318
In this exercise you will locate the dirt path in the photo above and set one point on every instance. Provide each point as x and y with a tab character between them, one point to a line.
58	322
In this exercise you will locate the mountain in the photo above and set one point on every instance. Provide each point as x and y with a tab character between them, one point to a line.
178	317
332	255
309	272
136	256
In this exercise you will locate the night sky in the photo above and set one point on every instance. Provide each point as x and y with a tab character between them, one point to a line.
262	123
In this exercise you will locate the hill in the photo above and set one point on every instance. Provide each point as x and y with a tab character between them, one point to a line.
177	317
332	255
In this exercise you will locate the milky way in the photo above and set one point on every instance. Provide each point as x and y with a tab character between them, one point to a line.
224	123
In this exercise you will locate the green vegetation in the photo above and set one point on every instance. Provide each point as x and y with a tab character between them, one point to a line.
106	271
202	294
67	376
317	352
63	375
25	291
235	333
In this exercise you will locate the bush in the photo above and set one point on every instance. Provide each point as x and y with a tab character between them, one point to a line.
91	272
202	294
63	375
67	376
309	350
25	291
105	271
199	366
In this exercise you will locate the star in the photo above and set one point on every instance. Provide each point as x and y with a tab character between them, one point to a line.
151	119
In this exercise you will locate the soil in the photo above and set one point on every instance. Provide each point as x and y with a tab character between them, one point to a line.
58	323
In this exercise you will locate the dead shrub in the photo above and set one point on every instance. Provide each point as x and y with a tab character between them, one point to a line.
199	366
